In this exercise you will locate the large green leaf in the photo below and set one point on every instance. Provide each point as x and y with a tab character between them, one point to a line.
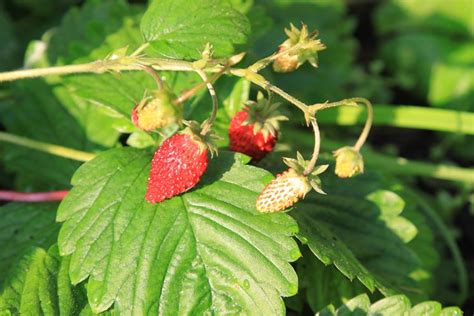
390	306
39	284
83	37
24	225
112	94
181	28
206	250
322	285
358	228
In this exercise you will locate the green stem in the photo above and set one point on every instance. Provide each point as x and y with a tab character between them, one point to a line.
102	66
190	92
94	67
215	102
156	77
317	146
264	62
368	122
260	81
45	147
140	49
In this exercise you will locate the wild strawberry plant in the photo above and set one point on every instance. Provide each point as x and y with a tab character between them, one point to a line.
165	127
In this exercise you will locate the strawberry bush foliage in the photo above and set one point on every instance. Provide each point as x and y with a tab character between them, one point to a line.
167	136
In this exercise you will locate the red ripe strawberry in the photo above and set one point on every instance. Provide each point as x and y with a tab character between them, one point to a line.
254	130
177	166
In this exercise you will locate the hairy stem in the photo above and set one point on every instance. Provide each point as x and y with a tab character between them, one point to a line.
350	102
368	123
140	49
45	147
156	77
94	67
190	92
260	81
32	197
215	101
317	146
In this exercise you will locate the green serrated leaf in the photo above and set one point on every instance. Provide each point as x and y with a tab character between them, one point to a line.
181	29
112	94
394	305
325	284
390	306
39	284
22	226
207	249
363	238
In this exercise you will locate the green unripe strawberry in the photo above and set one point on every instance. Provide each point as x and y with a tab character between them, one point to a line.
157	111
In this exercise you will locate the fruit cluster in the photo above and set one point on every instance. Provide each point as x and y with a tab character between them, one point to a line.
182	159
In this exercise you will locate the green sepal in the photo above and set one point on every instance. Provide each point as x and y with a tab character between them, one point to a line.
299	165
206	141
264	116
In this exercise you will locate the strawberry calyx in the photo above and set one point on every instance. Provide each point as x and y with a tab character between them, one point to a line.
206	140
299	166
264	116
301	46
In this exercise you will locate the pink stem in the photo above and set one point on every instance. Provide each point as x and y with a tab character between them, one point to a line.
33	197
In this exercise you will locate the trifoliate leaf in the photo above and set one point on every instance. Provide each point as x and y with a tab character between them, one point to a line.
23	225
181	28
205	251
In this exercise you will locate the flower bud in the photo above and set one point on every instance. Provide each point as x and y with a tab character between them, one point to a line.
306	50
349	162
157	111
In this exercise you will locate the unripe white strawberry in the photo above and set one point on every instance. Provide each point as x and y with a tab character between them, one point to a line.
283	191
290	186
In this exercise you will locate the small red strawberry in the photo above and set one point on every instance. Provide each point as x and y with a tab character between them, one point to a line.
254	130
178	164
